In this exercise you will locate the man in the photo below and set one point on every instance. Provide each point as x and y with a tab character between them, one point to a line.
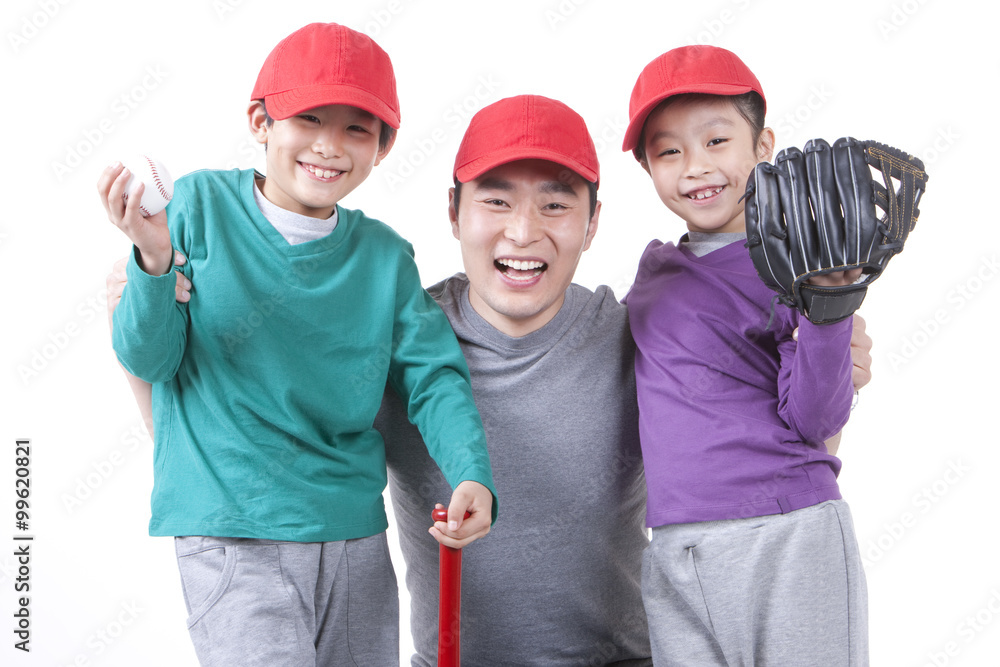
557	582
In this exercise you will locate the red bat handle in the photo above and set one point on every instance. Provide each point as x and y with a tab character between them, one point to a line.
450	604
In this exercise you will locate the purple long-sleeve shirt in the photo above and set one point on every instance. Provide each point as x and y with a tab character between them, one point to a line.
732	413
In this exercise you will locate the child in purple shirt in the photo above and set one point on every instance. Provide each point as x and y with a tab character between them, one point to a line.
753	558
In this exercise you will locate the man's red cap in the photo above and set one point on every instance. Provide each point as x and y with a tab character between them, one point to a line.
327	63
526	127
687	69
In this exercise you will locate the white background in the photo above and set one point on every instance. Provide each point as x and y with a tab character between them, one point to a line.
85	83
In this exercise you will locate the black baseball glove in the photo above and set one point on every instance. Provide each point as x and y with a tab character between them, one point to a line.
819	211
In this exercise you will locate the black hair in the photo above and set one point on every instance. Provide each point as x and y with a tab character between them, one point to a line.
749	105
591	190
385	135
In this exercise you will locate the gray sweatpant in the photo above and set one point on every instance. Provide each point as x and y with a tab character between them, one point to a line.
290	604
786	589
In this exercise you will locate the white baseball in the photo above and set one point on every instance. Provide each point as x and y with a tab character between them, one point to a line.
159	185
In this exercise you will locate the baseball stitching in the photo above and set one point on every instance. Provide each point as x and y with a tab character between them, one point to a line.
156	180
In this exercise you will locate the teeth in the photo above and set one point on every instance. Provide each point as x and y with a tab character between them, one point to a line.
521	265
322	173
706	193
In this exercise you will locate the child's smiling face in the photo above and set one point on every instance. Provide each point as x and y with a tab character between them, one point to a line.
317	157
700	152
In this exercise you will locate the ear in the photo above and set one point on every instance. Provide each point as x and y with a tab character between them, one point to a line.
382	152
258	121
765	145
453	213
592	226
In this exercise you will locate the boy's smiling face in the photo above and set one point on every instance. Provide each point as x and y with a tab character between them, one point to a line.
700	153
523	227
317	157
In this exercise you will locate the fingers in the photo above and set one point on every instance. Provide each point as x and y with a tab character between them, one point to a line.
115	284
116	280
105	182
119	267
460	531
134	198
837	278
446	538
125	212
861	358
182	291
111	187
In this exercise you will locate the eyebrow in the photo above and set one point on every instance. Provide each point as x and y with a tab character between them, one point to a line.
495	184
558	187
710	123
358	114
547	187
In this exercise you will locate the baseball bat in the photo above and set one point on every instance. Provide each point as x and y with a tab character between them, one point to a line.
450	601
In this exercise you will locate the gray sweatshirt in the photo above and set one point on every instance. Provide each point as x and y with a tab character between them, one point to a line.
556	582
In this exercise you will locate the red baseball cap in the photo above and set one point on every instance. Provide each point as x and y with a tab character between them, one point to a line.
686	69
525	127
327	63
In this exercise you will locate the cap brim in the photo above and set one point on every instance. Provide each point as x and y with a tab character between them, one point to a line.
639	119
285	105
476	168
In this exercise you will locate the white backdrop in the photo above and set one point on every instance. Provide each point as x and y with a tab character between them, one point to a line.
85	83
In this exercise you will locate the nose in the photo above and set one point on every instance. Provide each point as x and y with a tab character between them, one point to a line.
698	163
524	227
329	143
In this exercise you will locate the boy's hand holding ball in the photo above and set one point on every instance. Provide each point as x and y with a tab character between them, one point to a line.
134	197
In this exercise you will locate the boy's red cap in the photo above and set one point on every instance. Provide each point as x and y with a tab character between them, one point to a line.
522	128
327	63
687	69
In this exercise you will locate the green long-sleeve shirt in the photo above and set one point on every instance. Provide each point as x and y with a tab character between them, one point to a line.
266	384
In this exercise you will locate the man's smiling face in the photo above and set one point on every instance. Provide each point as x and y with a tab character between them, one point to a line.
523	227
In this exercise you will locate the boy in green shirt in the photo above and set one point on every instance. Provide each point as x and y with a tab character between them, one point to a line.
266	466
